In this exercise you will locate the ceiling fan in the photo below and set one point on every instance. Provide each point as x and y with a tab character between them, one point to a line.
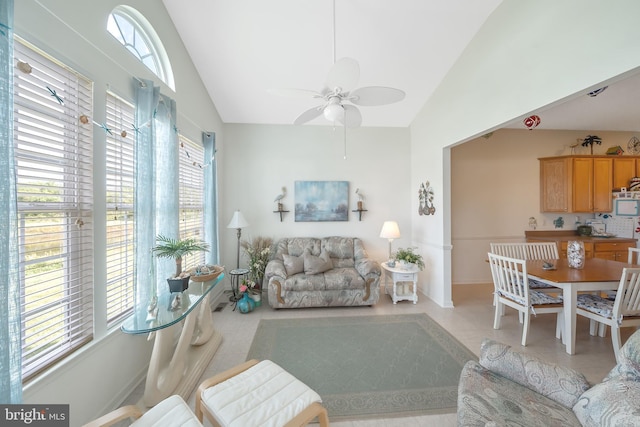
339	100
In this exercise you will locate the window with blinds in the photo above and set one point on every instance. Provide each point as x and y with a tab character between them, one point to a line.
54	162
120	164
191	196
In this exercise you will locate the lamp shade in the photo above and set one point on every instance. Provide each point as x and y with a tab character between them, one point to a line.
390	230
238	220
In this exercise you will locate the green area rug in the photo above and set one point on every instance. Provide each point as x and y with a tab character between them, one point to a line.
368	366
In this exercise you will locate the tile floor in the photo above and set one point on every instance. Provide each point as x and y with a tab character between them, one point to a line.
470	321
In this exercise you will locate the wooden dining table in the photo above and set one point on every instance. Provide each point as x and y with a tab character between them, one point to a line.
596	275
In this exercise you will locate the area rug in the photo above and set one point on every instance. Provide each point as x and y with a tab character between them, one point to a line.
368	366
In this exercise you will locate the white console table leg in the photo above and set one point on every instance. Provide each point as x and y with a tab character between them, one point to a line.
175	368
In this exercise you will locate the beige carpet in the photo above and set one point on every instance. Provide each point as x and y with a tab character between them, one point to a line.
368	366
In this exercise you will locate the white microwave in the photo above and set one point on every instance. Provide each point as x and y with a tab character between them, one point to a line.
626	207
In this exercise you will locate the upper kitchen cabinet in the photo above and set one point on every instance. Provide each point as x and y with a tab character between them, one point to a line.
624	168
592	184
555	184
580	183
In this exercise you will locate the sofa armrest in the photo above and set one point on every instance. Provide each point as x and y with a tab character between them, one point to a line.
275	268
558	383
367	268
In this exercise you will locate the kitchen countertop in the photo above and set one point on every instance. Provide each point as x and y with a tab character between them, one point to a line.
566	235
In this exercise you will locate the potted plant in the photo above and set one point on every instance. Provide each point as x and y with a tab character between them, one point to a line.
258	250
409	256
166	247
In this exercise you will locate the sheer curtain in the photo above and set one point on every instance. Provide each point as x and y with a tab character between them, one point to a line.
156	182
10	336
210	205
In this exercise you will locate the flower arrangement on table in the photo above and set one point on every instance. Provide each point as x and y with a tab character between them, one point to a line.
409	256
247	286
259	251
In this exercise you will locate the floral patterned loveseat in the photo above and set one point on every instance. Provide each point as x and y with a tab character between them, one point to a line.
508	387
322	272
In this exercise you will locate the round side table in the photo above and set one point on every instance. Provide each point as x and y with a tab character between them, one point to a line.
236	277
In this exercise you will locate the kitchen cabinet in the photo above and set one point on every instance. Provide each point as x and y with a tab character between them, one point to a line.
576	184
614	248
624	168
555	191
592	184
615	251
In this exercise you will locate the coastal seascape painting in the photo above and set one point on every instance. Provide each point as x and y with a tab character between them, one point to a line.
321	201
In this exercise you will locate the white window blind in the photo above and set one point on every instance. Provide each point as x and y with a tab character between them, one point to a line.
54	158
191	196
120	163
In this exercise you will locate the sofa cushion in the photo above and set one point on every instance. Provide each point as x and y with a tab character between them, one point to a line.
317	264
614	402
488	399
340	250
343	278
304	283
563	385
293	264
296	246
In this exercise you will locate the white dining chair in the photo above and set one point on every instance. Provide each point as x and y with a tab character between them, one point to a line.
623	311
511	287
632	258
530	251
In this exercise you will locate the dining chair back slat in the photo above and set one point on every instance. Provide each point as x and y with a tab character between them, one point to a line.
627	302
634	256
527	250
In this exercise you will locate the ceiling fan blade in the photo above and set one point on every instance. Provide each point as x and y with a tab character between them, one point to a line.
295	93
344	74
376	95
308	115
352	117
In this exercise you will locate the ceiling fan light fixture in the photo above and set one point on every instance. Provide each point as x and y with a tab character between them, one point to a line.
333	112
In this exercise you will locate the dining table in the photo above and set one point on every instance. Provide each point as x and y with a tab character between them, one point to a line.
596	275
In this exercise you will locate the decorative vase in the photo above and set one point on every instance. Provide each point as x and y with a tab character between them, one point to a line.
575	254
246	304
257	299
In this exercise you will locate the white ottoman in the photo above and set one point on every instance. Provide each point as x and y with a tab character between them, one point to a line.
170	412
258	394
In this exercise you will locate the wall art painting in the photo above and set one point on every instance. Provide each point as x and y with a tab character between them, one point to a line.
321	201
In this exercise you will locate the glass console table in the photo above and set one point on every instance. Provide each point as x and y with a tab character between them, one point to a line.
176	366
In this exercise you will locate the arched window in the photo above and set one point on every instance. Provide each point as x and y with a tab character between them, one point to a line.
136	34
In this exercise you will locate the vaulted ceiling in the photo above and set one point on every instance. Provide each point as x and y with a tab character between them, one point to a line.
244	48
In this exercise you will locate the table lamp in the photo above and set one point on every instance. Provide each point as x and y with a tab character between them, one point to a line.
390	231
238	222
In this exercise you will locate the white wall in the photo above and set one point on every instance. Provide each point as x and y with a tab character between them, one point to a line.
529	54
102	374
495	188
260	159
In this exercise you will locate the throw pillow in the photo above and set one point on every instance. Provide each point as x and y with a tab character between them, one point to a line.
628	366
293	264
563	385
610	403
317	264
